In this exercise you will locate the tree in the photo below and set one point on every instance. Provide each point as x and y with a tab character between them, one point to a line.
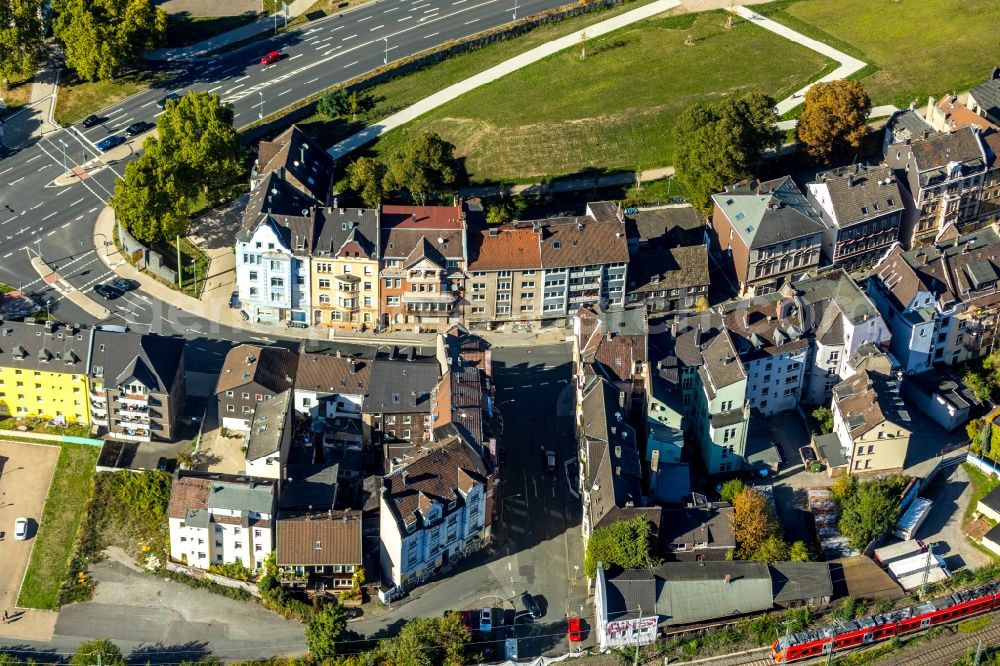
365	176
720	144
354	104
325	628
104	37
425	166
425	641
869	511
21	40
981	388
771	549
100	651
753	522
497	214
145	204
824	419
625	543
730	489
799	552
334	104
834	119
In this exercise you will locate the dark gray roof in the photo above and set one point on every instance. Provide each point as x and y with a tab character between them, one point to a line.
150	358
800	581
628	591
705	526
763	214
673	483
697	591
940	385
613	472
275	197
309	486
992	500
271	367
341	228
859	193
987	95
938	150
398	385
760	447
267	426
906	124
670	226
677	268
293	154
56	348
829	449
834	286
722	366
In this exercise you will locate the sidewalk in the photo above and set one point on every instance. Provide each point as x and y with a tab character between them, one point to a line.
37	117
568	184
75	296
214	304
883	111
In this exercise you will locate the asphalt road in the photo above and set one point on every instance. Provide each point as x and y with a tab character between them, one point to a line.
57	222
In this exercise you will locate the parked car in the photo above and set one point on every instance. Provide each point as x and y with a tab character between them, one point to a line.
531	605
141	127
113	141
91	121
21	529
162	104
575	631
486	620
107	291
270	58
124	284
550	462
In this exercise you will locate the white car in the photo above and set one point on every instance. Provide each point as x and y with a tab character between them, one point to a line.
21	529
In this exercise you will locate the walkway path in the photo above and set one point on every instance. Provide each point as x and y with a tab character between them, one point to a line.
37	116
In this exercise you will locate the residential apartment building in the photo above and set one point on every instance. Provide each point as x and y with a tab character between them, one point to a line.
607	450
902	126
663	228
462	402
505	277
435	509
841	319
136	384
269	438
943	176
614	345
251	374
989	200
297	160
43	372
861	208
950	115
769	231
397	407
870	418
220	519
984	99
669	281
424	258
344	269
331	384
940	302
721	411
319	548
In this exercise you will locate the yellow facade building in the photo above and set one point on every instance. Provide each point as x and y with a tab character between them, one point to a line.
43	372
343	275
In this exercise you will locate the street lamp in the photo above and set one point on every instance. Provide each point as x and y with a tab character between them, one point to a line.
194	268
260	112
106	242
385	60
515	10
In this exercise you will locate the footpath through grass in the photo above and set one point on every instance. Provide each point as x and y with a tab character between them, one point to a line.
613	109
72	487
917	47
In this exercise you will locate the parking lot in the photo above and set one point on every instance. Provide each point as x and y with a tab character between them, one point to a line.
25	475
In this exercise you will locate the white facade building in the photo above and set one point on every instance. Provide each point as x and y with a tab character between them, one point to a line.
273	279
220	519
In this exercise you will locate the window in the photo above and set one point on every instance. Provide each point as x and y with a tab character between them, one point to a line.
253	275
246	396
230	408
834	355
726	405
324	283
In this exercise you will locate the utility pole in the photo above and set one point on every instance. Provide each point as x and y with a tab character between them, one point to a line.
180	265
515	10
260	112
638	628
927	569
385	60
829	658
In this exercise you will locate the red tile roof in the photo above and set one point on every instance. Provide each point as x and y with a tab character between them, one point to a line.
422	217
319	539
504	248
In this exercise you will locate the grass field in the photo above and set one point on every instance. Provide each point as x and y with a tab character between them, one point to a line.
981	486
917	47
613	109
72	485
78	99
16	93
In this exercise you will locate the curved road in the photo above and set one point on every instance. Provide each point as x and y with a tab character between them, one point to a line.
38	216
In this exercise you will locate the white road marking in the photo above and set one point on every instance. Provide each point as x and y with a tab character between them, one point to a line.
80	200
471	22
118	110
405	18
284	93
427	17
6	170
61	192
32	159
365	18
51	232
18	180
351	64
242	79
65	225
433	34
312	80
390	10
52	214
213	89
297	55
7	255
78	217
346	38
378	27
151	101
158	114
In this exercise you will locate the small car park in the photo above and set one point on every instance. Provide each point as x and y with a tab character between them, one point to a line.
270	58
91	121
113	141
141	127
20	529
531	605
107	291
162	104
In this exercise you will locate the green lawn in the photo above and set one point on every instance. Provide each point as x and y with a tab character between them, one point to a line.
16	93
919	47
72	486
612	110
184	30
78	99
981	486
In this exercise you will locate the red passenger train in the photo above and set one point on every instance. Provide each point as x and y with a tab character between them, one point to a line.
876	628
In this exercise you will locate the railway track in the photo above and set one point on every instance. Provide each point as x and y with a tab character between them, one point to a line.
944	651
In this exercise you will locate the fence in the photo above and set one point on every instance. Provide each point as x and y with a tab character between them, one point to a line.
143	257
984	466
215	578
413	63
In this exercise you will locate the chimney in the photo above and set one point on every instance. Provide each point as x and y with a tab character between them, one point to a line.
728	579
621	399
608	336
338	353
618	451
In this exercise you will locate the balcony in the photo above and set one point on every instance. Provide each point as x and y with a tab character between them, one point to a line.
347	283
134	398
429	297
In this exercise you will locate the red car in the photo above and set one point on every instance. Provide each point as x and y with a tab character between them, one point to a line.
575	631
270	58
